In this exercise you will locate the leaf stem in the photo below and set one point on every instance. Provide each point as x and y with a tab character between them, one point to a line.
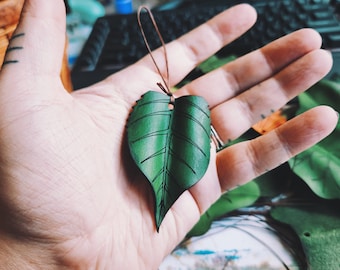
166	81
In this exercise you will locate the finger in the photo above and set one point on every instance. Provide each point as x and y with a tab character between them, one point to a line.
243	162
234	117
186	52
243	73
207	39
36	47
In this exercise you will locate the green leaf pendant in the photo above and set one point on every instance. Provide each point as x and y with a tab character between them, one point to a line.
170	143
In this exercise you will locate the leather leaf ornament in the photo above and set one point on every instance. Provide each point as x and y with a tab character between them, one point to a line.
170	143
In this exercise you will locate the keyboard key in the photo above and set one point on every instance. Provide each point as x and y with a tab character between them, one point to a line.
334	40
116	40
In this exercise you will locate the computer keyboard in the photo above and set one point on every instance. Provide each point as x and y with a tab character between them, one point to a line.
116	41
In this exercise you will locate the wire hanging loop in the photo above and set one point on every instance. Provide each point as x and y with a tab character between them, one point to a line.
165	88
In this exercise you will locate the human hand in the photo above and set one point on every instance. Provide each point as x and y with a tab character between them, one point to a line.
70	197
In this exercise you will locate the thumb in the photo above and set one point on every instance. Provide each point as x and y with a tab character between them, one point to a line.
36	48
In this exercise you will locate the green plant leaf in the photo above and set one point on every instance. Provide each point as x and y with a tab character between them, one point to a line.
317	226
320	170
240	197
170	143
214	62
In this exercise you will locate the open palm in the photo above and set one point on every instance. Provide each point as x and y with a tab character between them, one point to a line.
70	195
